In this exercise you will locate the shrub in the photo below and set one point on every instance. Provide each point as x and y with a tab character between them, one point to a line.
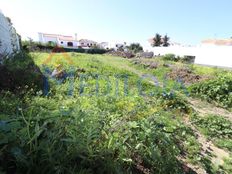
19	72
187	59
175	102
218	90
170	57
215	126
88	134
135	48
31	46
97	140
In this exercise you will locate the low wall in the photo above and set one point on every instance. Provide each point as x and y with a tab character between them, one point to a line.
9	40
220	56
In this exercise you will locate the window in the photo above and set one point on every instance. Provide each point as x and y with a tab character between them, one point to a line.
70	44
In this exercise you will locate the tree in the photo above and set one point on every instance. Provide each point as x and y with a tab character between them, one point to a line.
165	41
157	40
135	48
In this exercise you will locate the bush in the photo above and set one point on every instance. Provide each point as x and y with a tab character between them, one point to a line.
215	126
218	90
19	72
135	48
187	59
30	46
175	102
73	139
88	134
170	57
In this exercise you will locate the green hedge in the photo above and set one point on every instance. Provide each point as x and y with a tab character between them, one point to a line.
37	46
88	51
184	59
170	57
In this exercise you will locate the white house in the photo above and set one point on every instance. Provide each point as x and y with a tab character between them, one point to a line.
112	45
103	45
85	43
60	40
9	39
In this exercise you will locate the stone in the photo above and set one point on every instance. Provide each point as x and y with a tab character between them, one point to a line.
145	55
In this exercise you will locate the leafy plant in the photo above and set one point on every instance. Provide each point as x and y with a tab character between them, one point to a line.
96	130
166	41
170	57
135	48
157	40
218	90
215	126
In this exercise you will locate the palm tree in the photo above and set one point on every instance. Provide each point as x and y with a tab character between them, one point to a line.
166	41
157	40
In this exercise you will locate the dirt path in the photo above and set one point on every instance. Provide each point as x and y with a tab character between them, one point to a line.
216	154
205	108
195	168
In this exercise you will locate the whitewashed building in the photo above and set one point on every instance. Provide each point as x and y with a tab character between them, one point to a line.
112	45
86	43
103	45
59	40
9	39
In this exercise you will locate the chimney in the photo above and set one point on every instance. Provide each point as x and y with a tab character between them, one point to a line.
76	36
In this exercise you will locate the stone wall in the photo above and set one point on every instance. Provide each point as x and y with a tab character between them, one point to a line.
9	40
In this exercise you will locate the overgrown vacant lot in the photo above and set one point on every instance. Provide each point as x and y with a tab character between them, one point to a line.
114	115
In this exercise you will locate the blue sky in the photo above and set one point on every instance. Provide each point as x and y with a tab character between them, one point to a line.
185	21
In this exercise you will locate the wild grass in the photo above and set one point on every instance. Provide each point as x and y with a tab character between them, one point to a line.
95	124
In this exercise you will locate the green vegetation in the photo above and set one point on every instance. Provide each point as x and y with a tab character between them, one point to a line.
158	41
171	57
217	129
104	119
20	74
31	46
218	90
215	126
227	166
135	48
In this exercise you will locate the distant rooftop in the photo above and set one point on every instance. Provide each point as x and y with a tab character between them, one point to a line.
221	42
59	36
